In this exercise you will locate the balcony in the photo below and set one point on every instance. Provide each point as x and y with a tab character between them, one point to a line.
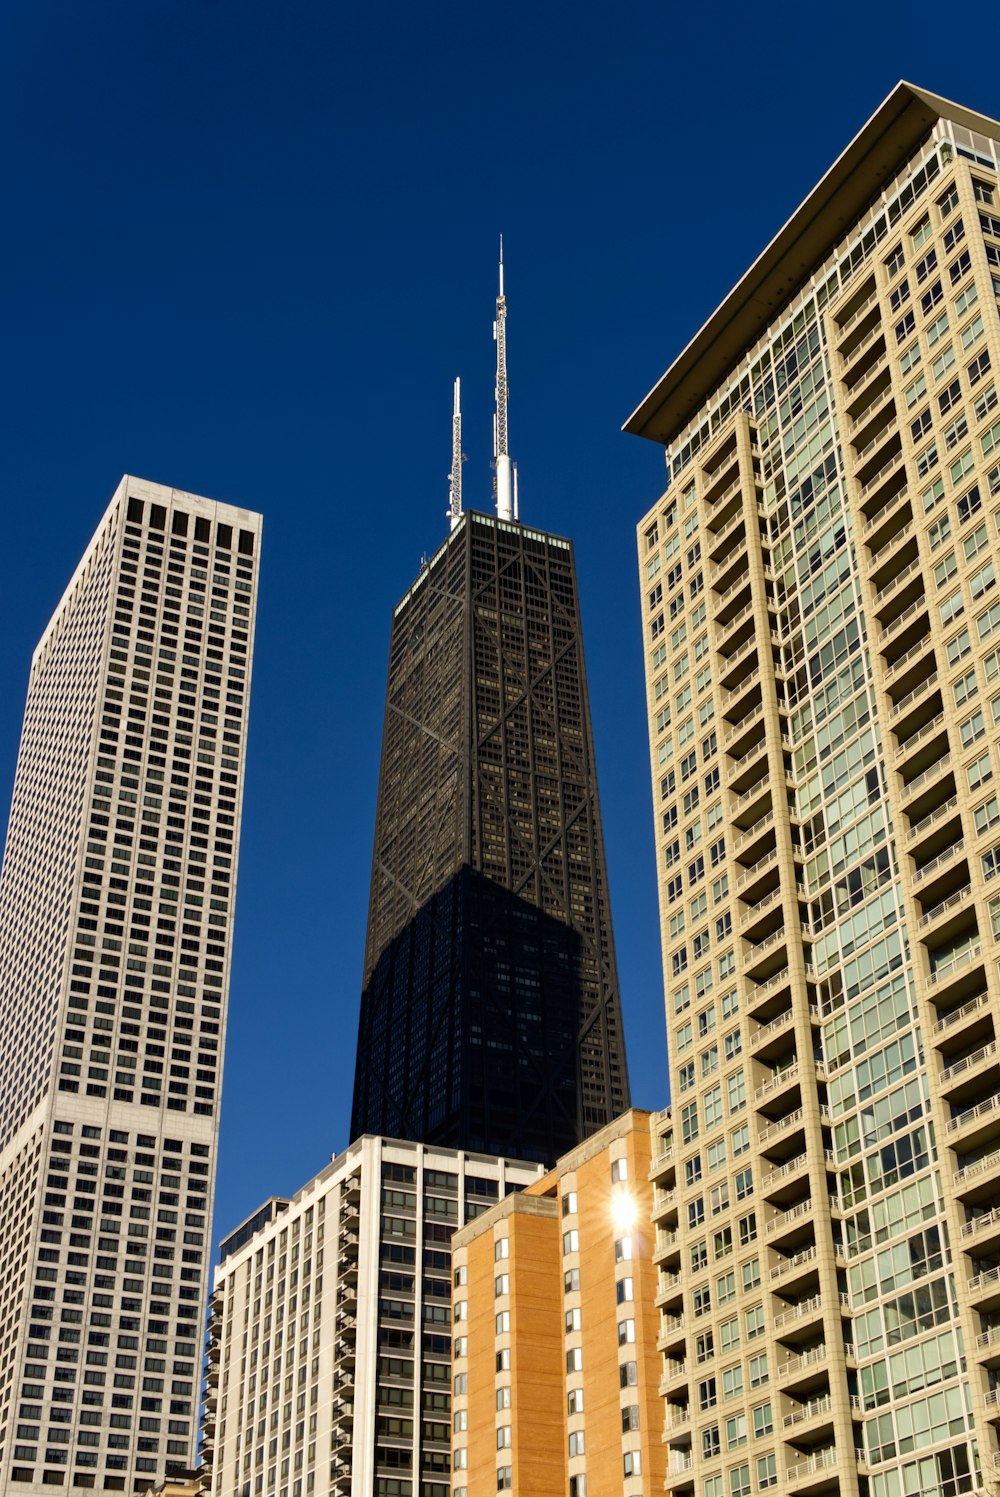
981	1233
666	1249
731	574
940	875
976	1126
760	878
761	960
889	550
956	907
670	1290
984	1290
852	314
988	1345
897	666
906	626
810	1368
752	836
964	1028
772	1037
664	1205
785	1179
919	836
737	631
963	971
774	1093
676	1422
736	740
814	1415
914	710
922	751
673	1336
750	682
963	1078
868	381
737	662
674	1372
978	1178
863	355
793	1227
795	1271
818	1473
887	521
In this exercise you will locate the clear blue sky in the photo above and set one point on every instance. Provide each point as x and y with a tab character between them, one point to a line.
246	249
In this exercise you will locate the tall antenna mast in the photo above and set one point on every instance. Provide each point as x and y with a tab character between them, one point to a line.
500	453
457	459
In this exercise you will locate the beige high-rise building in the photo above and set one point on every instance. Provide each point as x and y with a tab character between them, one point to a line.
330	1347
822	626
556	1366
116	917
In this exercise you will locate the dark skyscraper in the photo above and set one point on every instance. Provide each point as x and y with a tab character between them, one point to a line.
490	1015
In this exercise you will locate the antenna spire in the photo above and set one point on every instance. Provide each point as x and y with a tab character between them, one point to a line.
501	455
457	459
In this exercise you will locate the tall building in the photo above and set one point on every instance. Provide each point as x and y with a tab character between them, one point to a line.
822	623
329	1367
116	912
490	1016
556	1367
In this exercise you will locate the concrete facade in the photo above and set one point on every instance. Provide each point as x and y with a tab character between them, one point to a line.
822	656
116	911
330	1336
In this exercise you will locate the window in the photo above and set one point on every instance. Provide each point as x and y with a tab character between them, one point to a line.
736	1091
574	1401
972	729
576	1443
937	330
747	1228
980	771
736	1431
725	1288
965	688
754	1322
732	1382
757	1368
767	1471
632	1462
750	1274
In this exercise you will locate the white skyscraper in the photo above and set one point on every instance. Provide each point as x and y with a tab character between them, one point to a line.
116	912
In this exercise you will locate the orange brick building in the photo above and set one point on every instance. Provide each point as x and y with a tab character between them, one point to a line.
556	1367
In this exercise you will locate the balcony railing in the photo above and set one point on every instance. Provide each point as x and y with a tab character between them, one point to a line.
781	1270
912	696
989	1161
808	1411
977	1223
940	813
955	964
939	861
981	1110
822	1460
807	1359
960	896
968	1062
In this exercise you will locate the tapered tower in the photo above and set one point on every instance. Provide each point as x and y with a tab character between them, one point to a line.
490	1015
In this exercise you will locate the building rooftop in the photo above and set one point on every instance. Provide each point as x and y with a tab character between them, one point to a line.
857	176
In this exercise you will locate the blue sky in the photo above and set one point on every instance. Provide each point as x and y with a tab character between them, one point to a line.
247	247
